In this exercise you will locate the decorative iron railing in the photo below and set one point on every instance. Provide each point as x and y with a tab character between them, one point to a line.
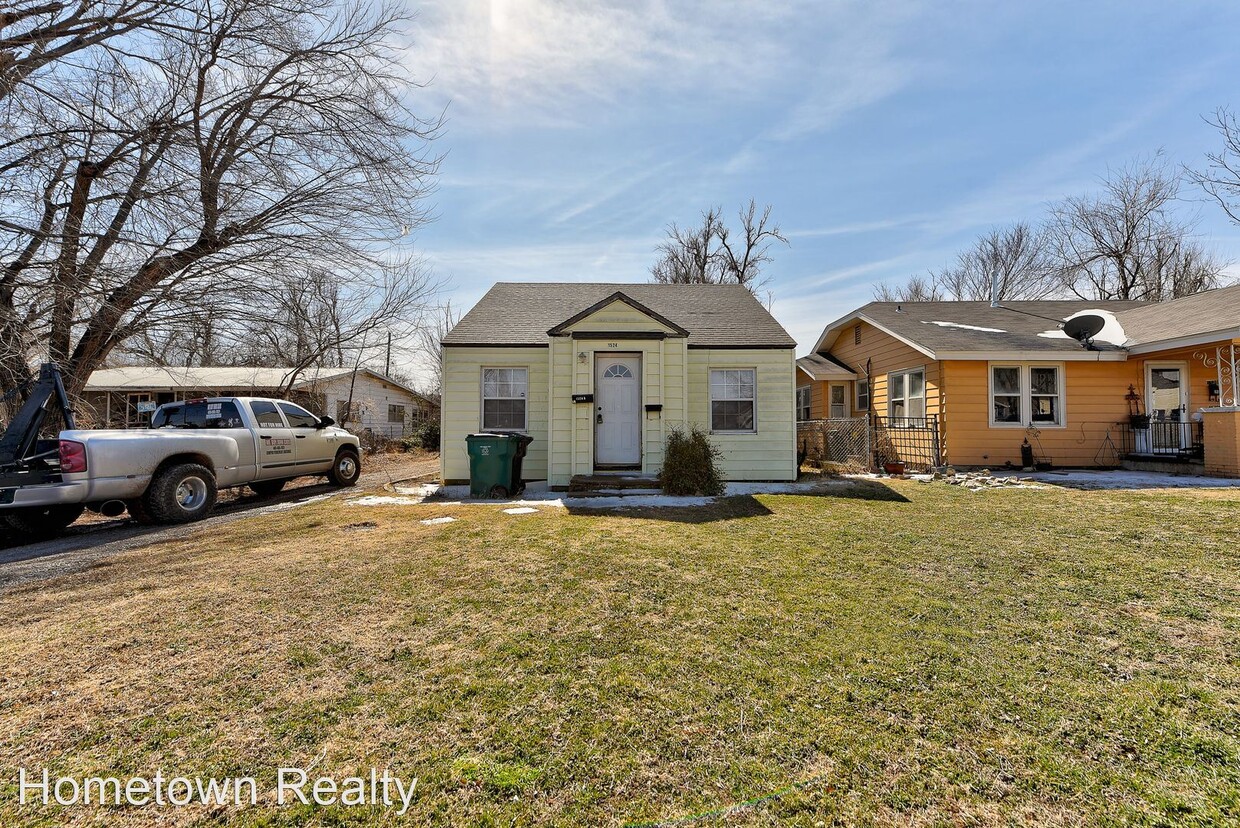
1163	438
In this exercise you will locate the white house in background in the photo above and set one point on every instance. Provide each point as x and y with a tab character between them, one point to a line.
597	374
125	397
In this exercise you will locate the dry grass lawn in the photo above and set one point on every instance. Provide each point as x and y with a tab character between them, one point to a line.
896	653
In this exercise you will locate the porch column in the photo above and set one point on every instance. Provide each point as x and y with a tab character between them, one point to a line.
1221	434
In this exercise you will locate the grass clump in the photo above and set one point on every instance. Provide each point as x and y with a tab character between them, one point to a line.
691	464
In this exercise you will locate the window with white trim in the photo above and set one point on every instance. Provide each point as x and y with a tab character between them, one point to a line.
863	395
805	396
838	406
504	392
906	397
733	394
1024	394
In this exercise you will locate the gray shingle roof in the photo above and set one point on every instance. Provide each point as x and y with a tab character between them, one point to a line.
952	327
1213	311
716	316
821	367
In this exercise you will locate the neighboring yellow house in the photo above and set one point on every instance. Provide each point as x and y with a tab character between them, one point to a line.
597	374
979	380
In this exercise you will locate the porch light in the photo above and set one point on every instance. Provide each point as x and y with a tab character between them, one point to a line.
582	357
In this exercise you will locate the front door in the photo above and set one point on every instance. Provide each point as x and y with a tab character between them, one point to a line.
1167	403
617	415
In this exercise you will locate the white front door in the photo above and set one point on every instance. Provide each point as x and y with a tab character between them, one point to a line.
618	410
1166	402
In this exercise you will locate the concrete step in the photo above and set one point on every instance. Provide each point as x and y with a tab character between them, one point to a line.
611	483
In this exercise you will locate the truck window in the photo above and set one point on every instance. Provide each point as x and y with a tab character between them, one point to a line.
198	414
265	414
298	417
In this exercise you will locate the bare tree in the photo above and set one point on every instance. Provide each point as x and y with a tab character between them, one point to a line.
916	289
711	254
1016	255
431	336
211	167
1126	242
1221	178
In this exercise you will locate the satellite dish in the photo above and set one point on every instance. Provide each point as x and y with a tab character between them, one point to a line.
1084	327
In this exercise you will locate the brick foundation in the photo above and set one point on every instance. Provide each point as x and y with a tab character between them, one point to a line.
1222	441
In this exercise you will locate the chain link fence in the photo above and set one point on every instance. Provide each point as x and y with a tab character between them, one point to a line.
858	444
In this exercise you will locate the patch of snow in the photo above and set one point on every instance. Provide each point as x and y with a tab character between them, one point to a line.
1126	480
384	500
438	520
520	510
284	507
1112	331
964	327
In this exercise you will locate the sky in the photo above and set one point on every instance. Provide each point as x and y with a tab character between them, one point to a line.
885	135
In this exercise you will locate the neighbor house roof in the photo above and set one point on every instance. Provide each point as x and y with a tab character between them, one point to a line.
825	367
151	377
964	330
715	316
1202	317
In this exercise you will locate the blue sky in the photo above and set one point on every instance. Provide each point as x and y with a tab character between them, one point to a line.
886	135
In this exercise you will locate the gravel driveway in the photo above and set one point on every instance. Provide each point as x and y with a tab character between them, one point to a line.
87	543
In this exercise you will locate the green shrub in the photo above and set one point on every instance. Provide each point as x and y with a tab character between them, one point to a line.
691	464
424	436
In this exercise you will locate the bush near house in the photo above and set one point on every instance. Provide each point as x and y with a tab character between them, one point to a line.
424	436
691	464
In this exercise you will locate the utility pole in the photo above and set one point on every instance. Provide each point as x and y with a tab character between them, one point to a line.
387	365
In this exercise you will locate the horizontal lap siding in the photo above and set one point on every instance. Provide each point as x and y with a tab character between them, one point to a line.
462	404
1093	403
885	354
371	397
769	453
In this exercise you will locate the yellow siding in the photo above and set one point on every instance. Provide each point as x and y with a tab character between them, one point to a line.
462	405
770	452
618	316
885	354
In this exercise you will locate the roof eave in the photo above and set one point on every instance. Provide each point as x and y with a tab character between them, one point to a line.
1184	341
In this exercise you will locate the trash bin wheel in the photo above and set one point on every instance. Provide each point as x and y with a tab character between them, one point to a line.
498	492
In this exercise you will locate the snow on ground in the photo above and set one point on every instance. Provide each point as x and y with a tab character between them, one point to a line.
1119	479
434	521
520	510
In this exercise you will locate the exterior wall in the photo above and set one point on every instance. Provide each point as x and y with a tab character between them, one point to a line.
1093	403
1222	441
371	398
770	452
886	354
461	410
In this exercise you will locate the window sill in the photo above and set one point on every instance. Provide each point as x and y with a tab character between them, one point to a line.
1025	426
727	433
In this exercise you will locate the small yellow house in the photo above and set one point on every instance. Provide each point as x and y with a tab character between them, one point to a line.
597	374
1085	383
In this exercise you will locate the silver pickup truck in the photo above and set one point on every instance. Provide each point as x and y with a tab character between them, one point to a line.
171	472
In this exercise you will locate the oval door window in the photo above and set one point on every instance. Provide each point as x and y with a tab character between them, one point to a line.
617	371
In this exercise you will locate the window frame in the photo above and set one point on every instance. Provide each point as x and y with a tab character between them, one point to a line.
274	408
843	403
1026	395
482	396
809	403
289	415
891	418
859	408
401	408
710	395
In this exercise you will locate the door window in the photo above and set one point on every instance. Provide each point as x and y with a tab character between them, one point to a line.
298	417
838	408
266	415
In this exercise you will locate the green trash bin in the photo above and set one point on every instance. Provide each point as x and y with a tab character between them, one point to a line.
495	463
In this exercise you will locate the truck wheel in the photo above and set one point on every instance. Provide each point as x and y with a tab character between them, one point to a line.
42	522
181	494
346	469
267	488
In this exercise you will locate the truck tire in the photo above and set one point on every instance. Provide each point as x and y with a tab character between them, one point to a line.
267	488
181	494
42	522
346	468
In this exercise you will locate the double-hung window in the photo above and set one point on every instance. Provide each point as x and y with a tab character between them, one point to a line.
504	392
805	394
863	395
1024	394
733	393
906	397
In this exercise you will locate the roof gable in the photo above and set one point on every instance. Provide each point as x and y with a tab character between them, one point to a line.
599	309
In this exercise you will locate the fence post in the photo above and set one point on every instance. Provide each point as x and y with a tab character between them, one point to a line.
869	443
938	452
